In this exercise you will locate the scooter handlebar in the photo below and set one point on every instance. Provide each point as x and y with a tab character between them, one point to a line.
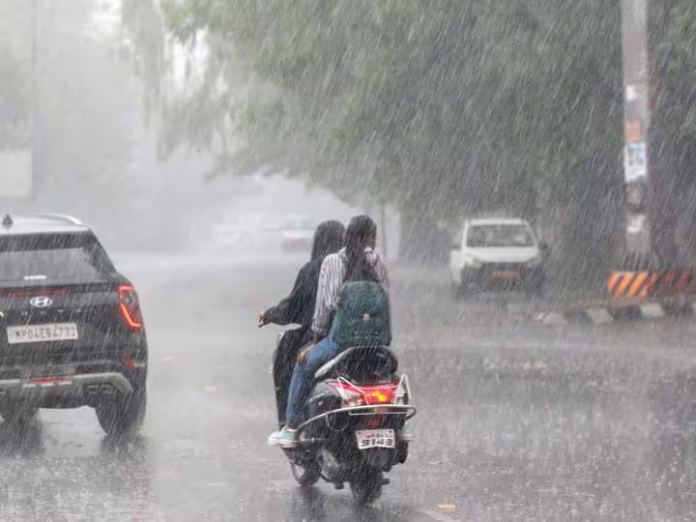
262	321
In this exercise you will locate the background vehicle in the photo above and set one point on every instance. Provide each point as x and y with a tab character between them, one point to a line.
244	232
71	330
352	426
497	254
297	234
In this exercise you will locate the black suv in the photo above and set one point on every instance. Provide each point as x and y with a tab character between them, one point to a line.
71	331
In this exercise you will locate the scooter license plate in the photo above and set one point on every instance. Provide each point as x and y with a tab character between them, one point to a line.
505	274
368	439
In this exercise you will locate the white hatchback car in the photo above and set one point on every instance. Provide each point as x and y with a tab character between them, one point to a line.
497	254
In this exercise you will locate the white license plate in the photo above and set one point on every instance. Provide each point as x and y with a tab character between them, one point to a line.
375	439
505	274
41	333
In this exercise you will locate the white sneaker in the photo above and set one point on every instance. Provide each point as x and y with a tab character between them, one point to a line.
284	438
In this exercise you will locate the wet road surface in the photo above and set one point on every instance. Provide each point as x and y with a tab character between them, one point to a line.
516	421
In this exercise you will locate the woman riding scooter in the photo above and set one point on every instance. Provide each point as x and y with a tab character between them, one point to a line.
357	256
298	308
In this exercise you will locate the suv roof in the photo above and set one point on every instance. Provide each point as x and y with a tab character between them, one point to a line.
39	224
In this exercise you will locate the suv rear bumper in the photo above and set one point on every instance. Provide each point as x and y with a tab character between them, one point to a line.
82	386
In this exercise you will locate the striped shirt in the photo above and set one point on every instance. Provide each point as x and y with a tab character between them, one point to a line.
331	277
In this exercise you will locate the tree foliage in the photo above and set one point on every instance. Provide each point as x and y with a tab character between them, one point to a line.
440	109
15	69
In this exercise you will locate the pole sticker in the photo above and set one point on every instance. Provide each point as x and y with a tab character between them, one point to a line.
631	93
635	161
633	131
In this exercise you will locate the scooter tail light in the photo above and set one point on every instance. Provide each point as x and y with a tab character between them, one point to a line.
379	396
350	397
392	393
383	393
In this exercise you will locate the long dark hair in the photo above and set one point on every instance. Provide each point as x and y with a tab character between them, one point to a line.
328	239
361	232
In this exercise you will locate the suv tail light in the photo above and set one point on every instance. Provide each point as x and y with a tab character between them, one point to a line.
129	307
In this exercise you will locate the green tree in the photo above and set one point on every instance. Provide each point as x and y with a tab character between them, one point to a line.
15	70
466	107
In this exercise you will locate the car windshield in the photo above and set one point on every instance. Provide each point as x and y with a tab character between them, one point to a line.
51	257
499	236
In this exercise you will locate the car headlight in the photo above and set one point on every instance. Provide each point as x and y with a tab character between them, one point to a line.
535	261
473	262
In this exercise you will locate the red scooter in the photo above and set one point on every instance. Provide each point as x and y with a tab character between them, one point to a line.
352	425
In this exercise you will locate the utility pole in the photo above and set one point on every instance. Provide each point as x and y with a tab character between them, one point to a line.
652	263
636	72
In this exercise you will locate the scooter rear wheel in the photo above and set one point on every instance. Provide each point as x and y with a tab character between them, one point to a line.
306	476
367	488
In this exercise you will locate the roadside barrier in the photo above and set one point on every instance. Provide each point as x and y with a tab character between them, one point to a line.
646	285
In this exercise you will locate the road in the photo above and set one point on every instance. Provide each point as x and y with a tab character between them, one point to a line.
516	421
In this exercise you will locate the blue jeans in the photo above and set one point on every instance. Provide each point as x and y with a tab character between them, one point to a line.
303	376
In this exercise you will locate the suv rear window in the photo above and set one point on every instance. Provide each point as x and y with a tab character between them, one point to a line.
47	257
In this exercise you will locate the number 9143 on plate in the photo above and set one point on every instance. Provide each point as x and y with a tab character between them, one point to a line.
368	439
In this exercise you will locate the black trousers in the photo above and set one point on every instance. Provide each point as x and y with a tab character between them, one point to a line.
284	358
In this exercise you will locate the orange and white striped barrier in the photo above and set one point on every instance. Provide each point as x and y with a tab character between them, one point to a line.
644	285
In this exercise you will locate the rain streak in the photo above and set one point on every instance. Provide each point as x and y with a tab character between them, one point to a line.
347	260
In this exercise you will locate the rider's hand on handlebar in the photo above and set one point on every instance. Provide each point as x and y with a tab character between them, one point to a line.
262	319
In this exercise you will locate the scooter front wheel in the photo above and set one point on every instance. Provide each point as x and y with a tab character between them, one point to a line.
306	476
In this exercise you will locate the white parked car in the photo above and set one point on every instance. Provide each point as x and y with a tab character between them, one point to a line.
497	254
